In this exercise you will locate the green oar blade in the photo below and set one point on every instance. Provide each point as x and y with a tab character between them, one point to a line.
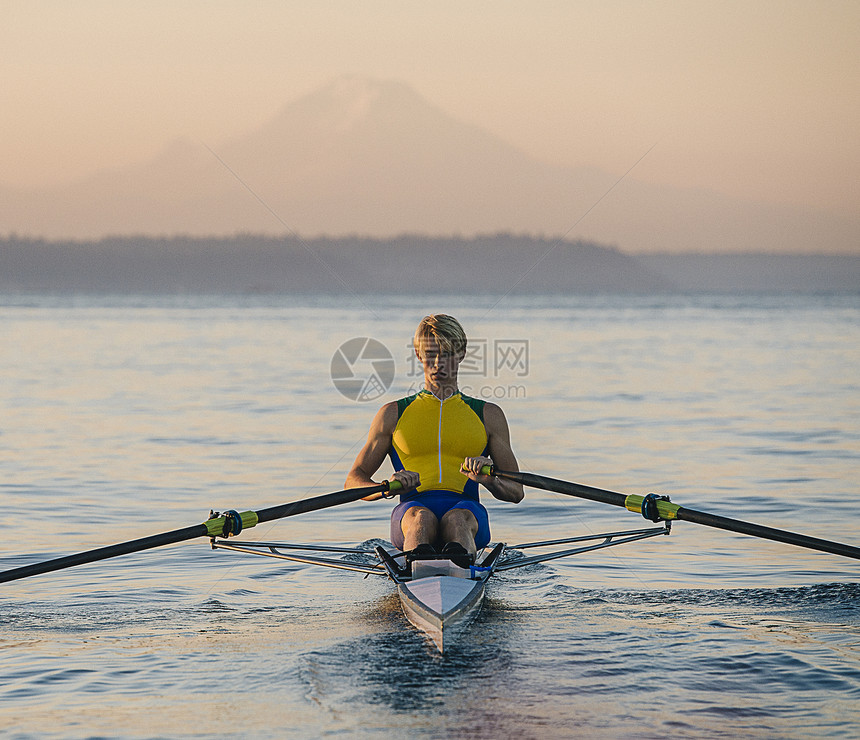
668	510
211	528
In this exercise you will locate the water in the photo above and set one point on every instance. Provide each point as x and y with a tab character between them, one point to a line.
126	416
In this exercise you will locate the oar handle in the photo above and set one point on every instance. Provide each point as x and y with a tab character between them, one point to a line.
391	487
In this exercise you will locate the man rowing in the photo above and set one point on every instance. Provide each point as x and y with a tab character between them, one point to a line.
438	440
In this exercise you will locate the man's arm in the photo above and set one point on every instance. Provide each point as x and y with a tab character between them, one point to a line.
373	453
499	447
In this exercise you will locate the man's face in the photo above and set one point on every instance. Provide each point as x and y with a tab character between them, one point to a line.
440	368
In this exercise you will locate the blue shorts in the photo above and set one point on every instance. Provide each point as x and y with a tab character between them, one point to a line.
440	502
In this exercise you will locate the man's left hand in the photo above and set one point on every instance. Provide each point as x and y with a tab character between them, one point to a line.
472	467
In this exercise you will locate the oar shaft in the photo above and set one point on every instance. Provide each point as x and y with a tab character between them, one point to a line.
102	553
767	533
565	487
325	501
673	511
208	529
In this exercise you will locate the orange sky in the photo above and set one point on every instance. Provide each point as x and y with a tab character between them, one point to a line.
755	99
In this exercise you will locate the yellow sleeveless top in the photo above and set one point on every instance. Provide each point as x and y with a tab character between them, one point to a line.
432	437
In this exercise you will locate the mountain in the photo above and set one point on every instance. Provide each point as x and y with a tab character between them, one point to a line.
373	157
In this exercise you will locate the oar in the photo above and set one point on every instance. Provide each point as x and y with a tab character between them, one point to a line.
230	523
655	508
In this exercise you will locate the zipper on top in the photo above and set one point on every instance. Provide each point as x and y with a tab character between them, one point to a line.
439	430
439	440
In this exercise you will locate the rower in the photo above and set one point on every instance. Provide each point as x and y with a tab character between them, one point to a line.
439	440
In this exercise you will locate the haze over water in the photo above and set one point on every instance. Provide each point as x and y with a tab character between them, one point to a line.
126	416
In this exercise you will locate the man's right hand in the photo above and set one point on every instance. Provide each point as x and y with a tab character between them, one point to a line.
409	479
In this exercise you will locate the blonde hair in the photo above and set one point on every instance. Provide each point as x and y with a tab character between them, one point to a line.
446	330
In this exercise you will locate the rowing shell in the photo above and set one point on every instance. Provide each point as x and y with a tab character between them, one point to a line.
438	597
440	606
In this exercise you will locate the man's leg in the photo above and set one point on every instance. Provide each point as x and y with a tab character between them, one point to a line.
460	525
420	526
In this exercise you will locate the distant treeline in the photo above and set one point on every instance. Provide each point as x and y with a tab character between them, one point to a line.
497	263
249	263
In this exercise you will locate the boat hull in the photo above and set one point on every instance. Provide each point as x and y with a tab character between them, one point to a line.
440	605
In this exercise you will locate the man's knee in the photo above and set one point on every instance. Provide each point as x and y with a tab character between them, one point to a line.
417	519
418	514
460	518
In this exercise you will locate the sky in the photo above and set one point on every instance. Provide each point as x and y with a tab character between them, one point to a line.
753	99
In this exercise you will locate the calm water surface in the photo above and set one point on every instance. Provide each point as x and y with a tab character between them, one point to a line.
126	416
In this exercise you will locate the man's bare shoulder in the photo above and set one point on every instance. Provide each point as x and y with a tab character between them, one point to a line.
495	420
493	411
386	418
